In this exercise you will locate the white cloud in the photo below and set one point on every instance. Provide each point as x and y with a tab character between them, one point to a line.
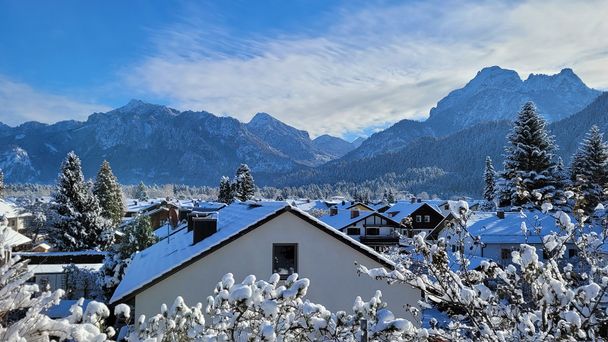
375	65
20	102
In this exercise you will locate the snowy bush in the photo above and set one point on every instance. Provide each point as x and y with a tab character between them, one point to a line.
529	299
22	308
257	310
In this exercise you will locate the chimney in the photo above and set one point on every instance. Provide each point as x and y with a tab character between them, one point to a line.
193	215
333	211
413	200
419	200
203	227
500	214
354	213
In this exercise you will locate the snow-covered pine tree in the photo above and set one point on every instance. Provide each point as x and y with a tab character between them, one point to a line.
529	166
489	175
244	187
1	183
225	194
109	194
589	170
141	193
79	225
138	235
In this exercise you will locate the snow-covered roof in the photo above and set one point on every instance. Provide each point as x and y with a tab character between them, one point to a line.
62	309
344	218
403	209
167	230
9	209
59	268
164	256
13	238
494	230
308	205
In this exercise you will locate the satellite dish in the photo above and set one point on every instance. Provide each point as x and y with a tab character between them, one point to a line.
173	217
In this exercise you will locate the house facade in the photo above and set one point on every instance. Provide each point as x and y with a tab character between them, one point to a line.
261	239
416	216
369	227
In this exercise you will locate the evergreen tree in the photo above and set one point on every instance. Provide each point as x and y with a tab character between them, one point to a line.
490	182
244	187
529	166
226	194
1	183
141	193
589	170
138	235
109	194
79	225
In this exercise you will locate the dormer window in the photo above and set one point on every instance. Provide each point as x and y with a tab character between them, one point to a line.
284	259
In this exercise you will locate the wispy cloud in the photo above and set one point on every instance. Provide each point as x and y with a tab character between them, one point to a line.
372	66
20	102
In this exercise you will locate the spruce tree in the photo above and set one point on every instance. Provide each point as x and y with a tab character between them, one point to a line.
141	193
109	194
80	225
489	176
244	187
226	194
529	168
589	170
1	183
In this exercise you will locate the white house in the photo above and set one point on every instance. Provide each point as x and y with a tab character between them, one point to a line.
369	227
260	239
501	233
15	217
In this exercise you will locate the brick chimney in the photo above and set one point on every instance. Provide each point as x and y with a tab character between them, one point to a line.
333	211
500	214
354	213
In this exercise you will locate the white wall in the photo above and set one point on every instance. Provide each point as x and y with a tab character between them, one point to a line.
326	261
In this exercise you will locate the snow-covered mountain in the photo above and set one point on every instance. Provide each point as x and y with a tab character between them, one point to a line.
157	144
493	94
333	146
289	141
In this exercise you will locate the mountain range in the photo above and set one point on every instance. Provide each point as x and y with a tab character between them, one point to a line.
158	144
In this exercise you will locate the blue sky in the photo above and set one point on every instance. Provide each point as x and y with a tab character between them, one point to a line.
345	68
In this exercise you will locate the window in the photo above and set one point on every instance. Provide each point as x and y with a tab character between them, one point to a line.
505	253
284	259
372	231
418	218
352	231
427	218
572	253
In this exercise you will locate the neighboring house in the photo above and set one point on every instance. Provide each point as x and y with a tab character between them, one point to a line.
16	240
16	218
501	233
369	227
260	239
422	216
157	210
49	268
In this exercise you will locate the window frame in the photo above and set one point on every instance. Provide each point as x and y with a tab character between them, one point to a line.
373	229
427	218
353	228
418	218
296	259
